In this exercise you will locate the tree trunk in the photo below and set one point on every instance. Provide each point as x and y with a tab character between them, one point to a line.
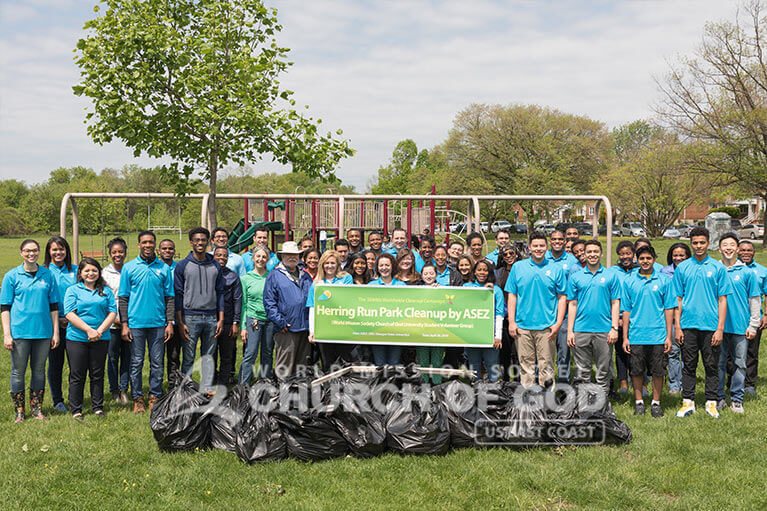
212	170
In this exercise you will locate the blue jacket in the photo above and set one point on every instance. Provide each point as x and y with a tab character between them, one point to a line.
232	296
285	299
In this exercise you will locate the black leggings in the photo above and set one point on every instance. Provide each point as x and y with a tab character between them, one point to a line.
86	358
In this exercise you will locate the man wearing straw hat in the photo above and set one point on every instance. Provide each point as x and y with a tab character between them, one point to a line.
285	293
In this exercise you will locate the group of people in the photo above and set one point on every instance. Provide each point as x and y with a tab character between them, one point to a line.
558	304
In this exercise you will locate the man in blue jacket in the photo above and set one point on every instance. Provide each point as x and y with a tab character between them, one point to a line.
199	285
285	293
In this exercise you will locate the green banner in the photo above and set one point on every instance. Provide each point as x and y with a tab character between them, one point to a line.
404	315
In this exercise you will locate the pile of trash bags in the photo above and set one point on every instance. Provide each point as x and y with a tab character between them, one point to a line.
366	414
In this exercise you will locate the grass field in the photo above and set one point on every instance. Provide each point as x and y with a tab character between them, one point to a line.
693	463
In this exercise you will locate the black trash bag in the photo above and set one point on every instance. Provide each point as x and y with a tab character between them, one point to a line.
361	426
415	426
311	435
260	438
458	401
393	378
180	420
227	418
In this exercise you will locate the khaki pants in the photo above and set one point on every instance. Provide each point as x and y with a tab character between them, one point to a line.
291	350
534	346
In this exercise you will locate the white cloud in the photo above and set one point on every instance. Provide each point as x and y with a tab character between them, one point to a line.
382	71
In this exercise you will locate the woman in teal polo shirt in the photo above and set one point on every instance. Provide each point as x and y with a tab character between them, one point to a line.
29	303
484	276
384	354
90	308
58	259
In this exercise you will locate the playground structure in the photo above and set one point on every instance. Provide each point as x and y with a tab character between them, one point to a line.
312	213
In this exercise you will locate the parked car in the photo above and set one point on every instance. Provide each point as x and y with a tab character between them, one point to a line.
500	224
520	228
483	226
736	225
603	230
584	228
633	229
546	229
752	231
458	227
672	232
684	230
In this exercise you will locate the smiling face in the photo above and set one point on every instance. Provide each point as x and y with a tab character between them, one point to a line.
261	238
290	261
580	253
370	257
354	238
260	258
699	246
745	253
538	249
330	267
455	251
58	254
593	254
399	239
199	244
30	252
221	255
406	263
146	246
429	275
90	274
476	248
220	239
360	266
167	250
626	257
728	247
502	239
312	260
117	254
557	240
427	250
645	260
343	252
481	272
383	267
375	241
571	233
440	256
464	266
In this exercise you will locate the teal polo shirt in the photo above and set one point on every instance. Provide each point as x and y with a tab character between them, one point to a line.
89	306
30	299
646	299
537	287
419	262
700	284
498	300
443	277
64	279
379	282
744	286
346	279
760	272
594	292
567	260
146	285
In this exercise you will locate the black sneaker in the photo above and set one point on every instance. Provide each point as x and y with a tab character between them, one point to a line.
656	410
639	409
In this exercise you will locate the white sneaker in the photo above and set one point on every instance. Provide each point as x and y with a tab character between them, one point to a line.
736	407
711	409
688	408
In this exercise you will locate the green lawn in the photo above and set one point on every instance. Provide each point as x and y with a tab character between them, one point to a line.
693	463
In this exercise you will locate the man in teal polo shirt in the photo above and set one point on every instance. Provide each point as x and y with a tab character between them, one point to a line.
536	288
260	239
701	287
502	238
746	255
648	304
146	310
741	322
592	325
558	254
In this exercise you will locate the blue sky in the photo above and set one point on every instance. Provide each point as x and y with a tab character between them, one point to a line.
382	71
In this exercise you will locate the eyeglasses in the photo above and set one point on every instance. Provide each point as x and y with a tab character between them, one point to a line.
31	251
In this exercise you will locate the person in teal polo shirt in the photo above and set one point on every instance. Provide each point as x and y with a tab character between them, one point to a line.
537	299
146	309
623	269
484	276
558	254
594	305
91	309
29	302
741	323
260	239
58	259
502	238
424	253
384	354
235	262
746	255
166	251
648	304
329	272
701	287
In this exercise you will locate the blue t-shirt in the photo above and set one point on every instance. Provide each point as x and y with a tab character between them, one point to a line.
89	306
566	259
146	285
249	266
236	263
620	272
419	262
64	279
30	299
443	277
346	279
537	287
761	276
646	299
744	286
493	257
498	300
594	293
379	282
700	284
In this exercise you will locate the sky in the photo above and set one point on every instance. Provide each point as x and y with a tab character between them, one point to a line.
382	71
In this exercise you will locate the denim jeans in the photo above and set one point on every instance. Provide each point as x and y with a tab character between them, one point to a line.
563	355
262	336
674	365
737	346
154	339
200	327
386	355
118	362
34	352
476	357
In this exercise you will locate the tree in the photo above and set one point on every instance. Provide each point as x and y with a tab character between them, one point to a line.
719	96
197	81
652	179
395	177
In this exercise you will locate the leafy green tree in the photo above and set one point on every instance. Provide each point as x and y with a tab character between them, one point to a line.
197	81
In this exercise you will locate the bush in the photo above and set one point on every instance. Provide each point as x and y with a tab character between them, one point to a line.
733	211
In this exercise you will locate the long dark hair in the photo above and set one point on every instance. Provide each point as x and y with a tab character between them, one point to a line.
670	259
89	261
358	279
58	240
490	271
